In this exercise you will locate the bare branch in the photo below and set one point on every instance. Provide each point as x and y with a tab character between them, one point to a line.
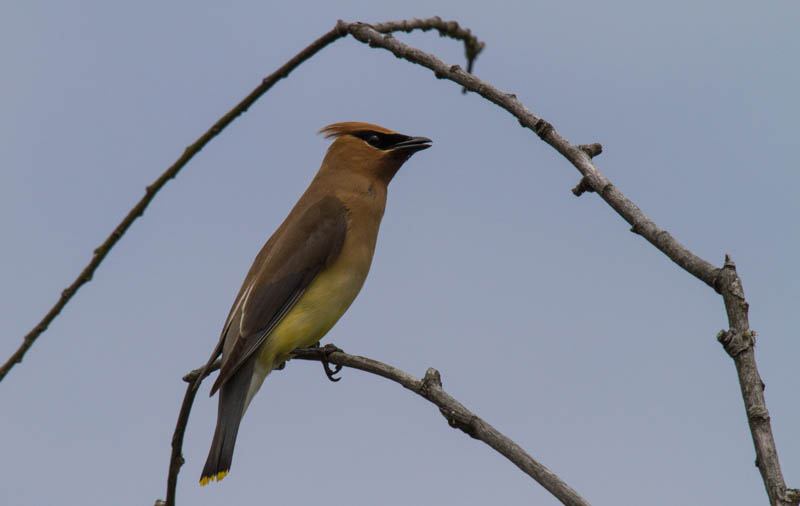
151	191
457	416
739	342
724	281
577	156
445	28
430	387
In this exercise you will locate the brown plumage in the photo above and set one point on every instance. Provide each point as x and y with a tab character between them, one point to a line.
308	273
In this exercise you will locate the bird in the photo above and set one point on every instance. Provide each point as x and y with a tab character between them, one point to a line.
308	273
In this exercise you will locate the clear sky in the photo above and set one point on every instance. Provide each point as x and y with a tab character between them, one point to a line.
544	314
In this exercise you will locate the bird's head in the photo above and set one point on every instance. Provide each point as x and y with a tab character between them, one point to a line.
372	150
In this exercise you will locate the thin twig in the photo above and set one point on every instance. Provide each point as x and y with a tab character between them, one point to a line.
101	252
725	281
193	379
445	28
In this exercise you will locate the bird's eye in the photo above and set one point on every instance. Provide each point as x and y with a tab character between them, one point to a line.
373	140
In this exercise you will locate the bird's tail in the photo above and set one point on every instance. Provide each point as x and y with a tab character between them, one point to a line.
232	401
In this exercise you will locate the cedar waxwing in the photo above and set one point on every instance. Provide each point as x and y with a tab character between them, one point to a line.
308	273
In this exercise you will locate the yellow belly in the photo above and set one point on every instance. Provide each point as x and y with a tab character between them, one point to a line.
320	307
315	313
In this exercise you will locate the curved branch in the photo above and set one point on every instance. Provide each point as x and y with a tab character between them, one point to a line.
445	28
725	281
457	416
151	191
429	387
579	156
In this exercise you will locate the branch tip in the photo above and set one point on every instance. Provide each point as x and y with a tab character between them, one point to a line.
432	379
582	187
342	28
591	150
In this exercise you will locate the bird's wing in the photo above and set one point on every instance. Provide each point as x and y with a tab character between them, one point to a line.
306	243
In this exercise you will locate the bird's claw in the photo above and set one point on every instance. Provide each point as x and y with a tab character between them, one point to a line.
330	373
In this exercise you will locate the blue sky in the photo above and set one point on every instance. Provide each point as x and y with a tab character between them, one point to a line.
543	313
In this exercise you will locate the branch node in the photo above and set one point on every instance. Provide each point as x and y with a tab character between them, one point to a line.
792	496
582	187
606	189
455	68
758	414
190	377
469	426
591	150
727	280
542	128
735	343
431	381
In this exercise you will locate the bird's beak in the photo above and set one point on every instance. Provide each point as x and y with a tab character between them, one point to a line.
413	145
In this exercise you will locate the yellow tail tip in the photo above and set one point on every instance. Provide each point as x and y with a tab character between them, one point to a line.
205	480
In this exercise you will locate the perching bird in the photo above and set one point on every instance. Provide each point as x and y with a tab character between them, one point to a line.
308	273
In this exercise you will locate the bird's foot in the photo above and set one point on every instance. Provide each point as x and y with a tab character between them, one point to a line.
326	351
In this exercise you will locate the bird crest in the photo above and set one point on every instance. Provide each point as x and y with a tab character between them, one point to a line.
337	130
